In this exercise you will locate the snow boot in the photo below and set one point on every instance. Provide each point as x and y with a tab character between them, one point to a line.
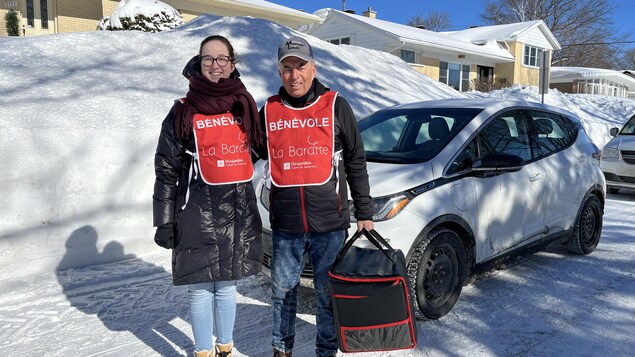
277	353
224	350
202	354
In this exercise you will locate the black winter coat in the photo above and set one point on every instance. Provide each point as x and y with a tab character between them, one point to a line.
319	208
217	235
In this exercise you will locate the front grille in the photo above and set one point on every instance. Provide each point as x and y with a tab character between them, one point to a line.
628	156
627	179
615	178
611	176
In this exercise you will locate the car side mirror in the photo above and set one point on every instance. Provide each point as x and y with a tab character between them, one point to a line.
614	131
498	163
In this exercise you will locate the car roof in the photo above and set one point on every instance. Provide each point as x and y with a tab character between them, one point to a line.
493	104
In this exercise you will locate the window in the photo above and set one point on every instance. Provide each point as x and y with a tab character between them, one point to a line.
384	136
455	75
507	134
465	159
554	131
30	15
44	14
411	135
532	56
629	127
407	55
341	41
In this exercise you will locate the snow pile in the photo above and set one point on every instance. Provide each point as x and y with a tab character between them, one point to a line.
142	15
598	113
80	133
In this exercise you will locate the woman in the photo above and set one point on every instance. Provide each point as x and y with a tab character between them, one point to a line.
204	202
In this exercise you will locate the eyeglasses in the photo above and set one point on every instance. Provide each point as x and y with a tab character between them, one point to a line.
222	61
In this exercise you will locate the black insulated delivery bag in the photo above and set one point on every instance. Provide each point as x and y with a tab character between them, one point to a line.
370	292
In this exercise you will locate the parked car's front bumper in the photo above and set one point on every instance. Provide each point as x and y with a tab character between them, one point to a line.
618	173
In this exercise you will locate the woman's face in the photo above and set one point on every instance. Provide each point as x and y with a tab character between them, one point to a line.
215	61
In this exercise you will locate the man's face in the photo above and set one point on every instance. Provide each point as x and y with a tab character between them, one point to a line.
297	75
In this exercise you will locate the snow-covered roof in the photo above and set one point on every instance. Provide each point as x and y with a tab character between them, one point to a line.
254	8
483	41
567	74
418	36
266	6
504	33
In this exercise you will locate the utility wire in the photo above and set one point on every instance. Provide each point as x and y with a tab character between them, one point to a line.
599	43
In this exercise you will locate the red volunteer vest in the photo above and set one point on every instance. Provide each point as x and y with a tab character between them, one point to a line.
222	154
300	141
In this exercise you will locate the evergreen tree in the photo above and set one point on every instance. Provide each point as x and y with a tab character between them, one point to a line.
12	23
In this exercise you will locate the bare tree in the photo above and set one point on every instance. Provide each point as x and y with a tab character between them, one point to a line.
584	28
627	61
435	21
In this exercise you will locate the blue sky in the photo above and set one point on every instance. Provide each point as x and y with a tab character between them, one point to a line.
463	13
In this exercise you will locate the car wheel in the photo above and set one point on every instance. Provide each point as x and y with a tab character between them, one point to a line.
612	190
437	270
587	227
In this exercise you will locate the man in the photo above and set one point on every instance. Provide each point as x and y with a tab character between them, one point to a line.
314	148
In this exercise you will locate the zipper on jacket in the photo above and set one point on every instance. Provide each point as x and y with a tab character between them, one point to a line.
303	211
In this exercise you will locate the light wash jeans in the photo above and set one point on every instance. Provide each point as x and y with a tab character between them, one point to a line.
286	265
212	304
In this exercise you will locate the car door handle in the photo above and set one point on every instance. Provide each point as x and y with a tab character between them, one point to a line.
536	177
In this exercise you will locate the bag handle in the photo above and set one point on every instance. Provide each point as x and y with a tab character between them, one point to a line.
374	237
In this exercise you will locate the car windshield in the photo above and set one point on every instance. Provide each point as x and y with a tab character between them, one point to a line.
409	136
629	128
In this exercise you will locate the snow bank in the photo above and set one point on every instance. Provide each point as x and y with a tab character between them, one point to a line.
81	115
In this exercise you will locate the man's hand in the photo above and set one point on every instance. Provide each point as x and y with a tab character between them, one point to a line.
369	225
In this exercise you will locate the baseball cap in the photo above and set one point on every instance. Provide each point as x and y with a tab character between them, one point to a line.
296	47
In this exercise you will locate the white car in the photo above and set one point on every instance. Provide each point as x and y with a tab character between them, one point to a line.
618	158
460	184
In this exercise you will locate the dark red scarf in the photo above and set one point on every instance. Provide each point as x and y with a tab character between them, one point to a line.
228	95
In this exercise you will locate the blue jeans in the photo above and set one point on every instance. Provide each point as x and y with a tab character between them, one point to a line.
286	265
212	303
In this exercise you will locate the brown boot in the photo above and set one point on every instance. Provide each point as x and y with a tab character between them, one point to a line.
202	354
224	350
277	353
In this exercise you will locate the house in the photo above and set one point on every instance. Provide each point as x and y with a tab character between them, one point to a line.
593	81
45	17
476	58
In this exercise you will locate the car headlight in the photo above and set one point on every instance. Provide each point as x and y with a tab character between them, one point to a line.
386	207
610	153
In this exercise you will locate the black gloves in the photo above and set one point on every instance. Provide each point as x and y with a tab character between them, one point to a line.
164	236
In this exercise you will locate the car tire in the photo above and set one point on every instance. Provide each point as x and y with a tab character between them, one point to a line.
437	271
587	227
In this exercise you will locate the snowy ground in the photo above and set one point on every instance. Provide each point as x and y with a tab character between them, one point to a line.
545	304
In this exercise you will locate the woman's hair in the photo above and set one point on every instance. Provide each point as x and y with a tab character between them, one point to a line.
222	39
